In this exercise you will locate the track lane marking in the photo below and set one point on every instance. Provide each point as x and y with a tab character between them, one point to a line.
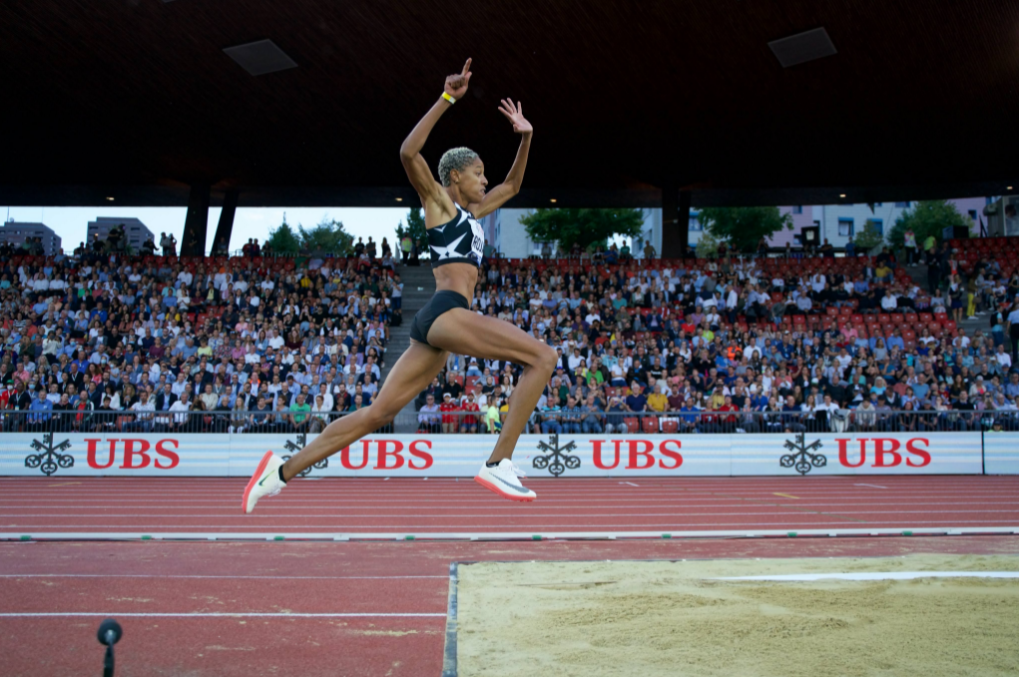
456	528
110	614
642	511
217	576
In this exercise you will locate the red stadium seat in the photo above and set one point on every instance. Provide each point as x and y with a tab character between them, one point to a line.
649	425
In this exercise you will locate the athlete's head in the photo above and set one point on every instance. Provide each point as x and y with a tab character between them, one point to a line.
461	167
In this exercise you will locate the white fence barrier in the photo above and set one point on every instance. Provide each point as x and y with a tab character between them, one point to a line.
1001	452
236	455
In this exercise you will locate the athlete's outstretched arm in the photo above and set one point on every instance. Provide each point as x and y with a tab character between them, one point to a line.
410	152
498	196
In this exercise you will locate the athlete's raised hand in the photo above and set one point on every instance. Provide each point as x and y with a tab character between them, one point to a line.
456	85
515	114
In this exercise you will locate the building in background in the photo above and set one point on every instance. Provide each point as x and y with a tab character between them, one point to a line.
135	231
16	232
838	222
835	222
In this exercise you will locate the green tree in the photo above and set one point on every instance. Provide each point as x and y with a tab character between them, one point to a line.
283	239
927	218
743	227
869	238
707	246
585	227
415	227
328	237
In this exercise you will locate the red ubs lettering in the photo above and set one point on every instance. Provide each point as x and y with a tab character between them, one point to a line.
389	455
640	454
885	452
135	454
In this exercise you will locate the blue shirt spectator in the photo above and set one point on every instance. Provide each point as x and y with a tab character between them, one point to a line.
40	405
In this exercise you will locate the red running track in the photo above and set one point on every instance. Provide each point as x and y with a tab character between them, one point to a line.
443	505
53	596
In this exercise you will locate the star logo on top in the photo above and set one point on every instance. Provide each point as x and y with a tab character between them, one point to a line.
445	252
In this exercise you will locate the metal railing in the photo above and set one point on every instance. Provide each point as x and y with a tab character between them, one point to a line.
481	422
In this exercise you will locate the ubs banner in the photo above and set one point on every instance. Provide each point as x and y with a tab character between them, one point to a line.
227	455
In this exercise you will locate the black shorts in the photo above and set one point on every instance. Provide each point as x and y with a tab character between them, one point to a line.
440	303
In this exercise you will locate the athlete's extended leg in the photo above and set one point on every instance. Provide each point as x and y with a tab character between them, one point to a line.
468	333
410	375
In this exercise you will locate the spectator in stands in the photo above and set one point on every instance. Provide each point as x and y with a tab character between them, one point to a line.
168	243
592	417
470	421
571	416
450	413
551	415
405	247
1012	330
429	418
181	407
144	414
41	408
635	401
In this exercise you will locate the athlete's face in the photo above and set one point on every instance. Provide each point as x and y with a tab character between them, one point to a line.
472	181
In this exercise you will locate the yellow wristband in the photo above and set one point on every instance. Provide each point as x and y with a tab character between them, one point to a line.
447	97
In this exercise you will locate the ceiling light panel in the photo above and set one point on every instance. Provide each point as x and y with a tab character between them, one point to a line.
803	47
260	57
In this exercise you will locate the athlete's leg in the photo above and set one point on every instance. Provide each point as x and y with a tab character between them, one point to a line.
468	333
410	375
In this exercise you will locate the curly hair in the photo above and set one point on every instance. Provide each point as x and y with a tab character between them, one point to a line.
455	158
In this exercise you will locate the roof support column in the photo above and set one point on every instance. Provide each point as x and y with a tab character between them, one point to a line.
196	224
221	243
675	220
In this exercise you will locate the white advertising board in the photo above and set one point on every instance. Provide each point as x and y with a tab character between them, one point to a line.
236	455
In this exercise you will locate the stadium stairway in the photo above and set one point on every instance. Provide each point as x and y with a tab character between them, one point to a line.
418	287
919	275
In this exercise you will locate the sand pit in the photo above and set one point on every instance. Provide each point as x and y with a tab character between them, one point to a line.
651	619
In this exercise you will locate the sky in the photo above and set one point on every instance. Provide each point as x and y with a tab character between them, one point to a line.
71	223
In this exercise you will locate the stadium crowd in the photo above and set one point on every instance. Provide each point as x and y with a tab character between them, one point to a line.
755	345
105	341
100	340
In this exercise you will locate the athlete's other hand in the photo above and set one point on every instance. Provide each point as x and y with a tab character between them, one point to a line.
515	114
456	85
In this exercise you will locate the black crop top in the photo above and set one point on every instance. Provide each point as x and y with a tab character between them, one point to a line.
460	240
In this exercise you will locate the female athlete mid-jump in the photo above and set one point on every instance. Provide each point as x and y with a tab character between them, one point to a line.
446	324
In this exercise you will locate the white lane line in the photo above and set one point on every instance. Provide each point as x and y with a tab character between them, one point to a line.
416	530
325	536
874	576
400	497
424	511
821	510
631	484
864	484
280	577
112	614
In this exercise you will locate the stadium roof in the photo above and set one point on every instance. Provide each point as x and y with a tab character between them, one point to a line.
137	99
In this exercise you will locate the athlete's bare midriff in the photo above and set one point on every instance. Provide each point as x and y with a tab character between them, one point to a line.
458	277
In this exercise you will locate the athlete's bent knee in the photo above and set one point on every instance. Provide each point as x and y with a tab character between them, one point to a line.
546	358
